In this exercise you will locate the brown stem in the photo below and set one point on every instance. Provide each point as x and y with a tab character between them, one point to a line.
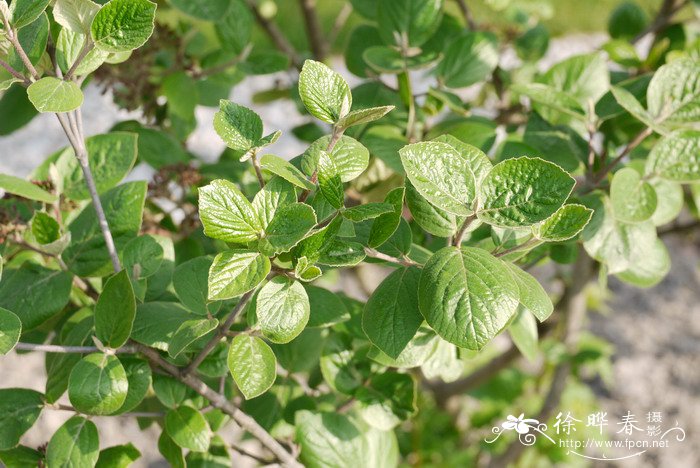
636	141
14	40
278	39
219	335
462	4
340	21
313	29
666	12
219	401
258	171
526	245
87	47
15	73
457	241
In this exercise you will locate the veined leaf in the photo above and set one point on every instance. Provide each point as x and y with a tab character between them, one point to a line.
19	409
363	116
566	223
25	189
676	157
123	25
282	309
235	272
115	311
360	213
633	200
325	93
188	332
286	170
252	364
10	330
238	126
98	384
188	428
531	295
50	94
290	225
76	443
227	214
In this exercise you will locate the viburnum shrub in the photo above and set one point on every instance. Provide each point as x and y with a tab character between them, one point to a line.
218	294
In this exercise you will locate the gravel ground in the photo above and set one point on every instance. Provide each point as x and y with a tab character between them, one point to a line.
655	331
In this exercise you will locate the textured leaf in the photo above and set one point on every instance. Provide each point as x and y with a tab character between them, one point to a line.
252	364
10	330
123	25
531	294
276	194
188	428
115	311
76	15
469	59
238	126
350	158
330	183
76	443
363	116
325	93
627	100
440	175
290	225
188	332
434	220
98	384
69	47
360	213
191	283
24	12
551	97
408	22
391	317
111	157
19	409
286	170
50	94
566	223
673	95
479	164
235	272
676	157
282	309
118	456
523	191
25	189
467	296
340	253
33	38
585	77
227	214
523	331
156	323
669	204
386	224
633	200
34	293
45	229
235	29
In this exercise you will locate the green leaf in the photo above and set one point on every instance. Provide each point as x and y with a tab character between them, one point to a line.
306	272
408	23
98	384
123	205
19	409
138	374
676	157
441	175
123	25
627	21
235	272
319	241
111	157
388	399
326	307
25	189
523	191
156	323
188	332
34	293
69	47
648	270
76	443
669	197
551	97
673	95
523	331
627	100
188	428
211	10
332	440
479	164
467	296
50	94
350	158
325	94
252	364
388	59
532	295
276	194
286	170
386	224
76	15
443	363
469	59
302	353
190	280
532	45
633	200
144	254
10	330
585	77
21	457
391	317
45	229
24	12
234	30
33	38
435	221
290	225
227	214
329	182
340	253
238	126
115	311
118	456
169	391
566	223
360	213
282	309
170	451
363	116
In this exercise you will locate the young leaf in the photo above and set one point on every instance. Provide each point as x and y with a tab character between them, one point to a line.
235	272
440	175
252	364
123	25
290	224
24	12
25	189
76	15
340	253
188	332
627	100
286	170
188	428
45	229
282	309
76	443
118	456
566	223
467	296
19	409
115	311
350	158
363	116
523	191
360	213
238	126
523	331
531	294
633	200
98	384
391	317
50	94
386	224
676	157
10	330
469	59
227	214
69	49
325	93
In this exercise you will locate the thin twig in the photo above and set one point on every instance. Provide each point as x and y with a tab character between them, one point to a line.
226	65
313	29
340	21
15	73
636	141
87	47
14	40
388	258
258	171
663	17
59	349
457	241
462	4
526	245
277	37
